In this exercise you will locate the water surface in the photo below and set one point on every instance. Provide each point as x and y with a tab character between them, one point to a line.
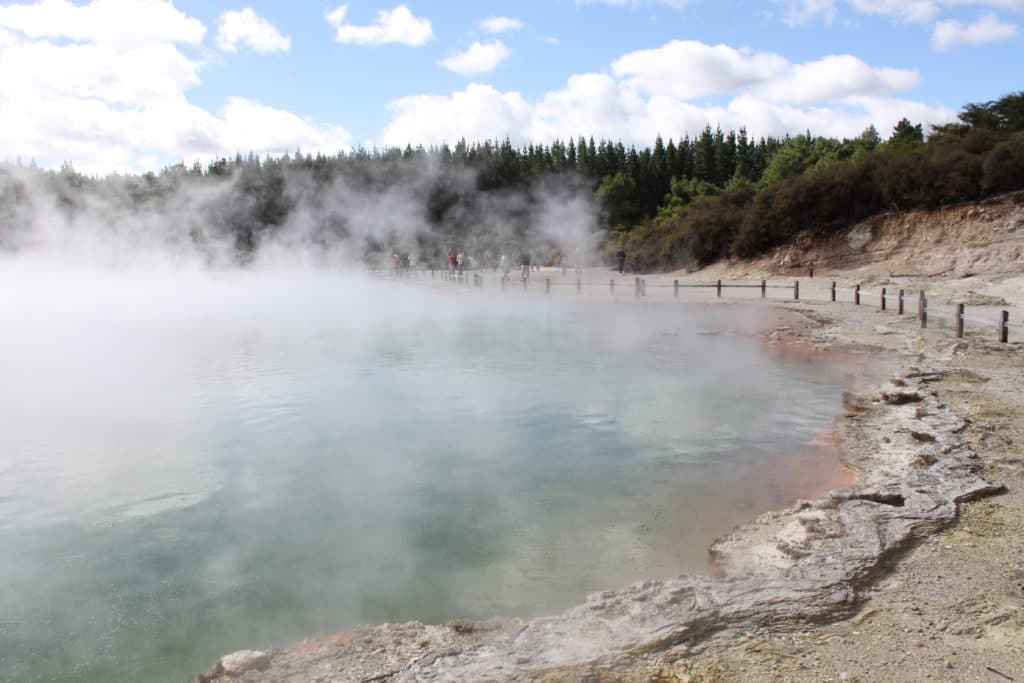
195	464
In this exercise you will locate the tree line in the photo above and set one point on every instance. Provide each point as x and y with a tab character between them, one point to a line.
683	201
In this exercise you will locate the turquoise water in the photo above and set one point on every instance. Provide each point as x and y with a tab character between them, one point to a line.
191	465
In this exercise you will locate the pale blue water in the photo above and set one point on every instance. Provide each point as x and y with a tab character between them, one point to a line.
191	465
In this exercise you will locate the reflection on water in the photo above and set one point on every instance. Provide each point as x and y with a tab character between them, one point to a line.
192	467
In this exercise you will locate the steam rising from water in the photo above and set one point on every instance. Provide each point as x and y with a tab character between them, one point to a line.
194	463
196	458
283	216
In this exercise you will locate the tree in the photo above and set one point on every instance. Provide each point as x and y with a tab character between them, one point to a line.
906	134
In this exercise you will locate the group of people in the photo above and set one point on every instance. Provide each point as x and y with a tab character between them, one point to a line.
459	262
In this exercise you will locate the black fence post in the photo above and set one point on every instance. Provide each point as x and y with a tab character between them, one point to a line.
833	292
924	310
796	290
901	302
959	321
883	298
856	295
764	288
719	289
675	284
1004	328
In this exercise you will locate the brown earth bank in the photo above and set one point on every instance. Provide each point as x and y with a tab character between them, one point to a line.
914	572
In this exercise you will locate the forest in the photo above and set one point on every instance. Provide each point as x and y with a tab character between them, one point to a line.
685	202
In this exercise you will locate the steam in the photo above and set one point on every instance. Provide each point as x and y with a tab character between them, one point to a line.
281	213
244	443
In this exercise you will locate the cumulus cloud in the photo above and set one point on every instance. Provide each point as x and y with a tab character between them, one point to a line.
987	29
660	91
77	83
398	25
478	58
691	69
500	24
246	28
119	23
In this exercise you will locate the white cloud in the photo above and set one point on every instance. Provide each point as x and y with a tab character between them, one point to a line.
478	58
121	23
476	113
75	85
500	24
674	4
925	10
799	12
691	69
245	27
835	77
397	25
688	69
659	91
987	29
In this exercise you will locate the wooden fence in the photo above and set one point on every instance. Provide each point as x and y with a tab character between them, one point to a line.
887	299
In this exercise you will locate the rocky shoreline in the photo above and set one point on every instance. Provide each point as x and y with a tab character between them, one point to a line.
812	564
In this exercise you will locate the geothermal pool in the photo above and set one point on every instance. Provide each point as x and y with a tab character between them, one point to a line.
194	464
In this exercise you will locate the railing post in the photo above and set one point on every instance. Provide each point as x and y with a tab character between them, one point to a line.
923	304
675	284
611	286
636	288
796	290
901	302
810	271
883	298
1004	327
579	286
719	289
959	321
856	295
764	288
547	285
833	291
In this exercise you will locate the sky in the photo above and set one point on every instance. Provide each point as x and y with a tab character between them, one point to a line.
135	85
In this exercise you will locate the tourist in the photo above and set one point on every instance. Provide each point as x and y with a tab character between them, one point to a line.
620	256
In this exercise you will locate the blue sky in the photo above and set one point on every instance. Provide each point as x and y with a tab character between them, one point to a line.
133	84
